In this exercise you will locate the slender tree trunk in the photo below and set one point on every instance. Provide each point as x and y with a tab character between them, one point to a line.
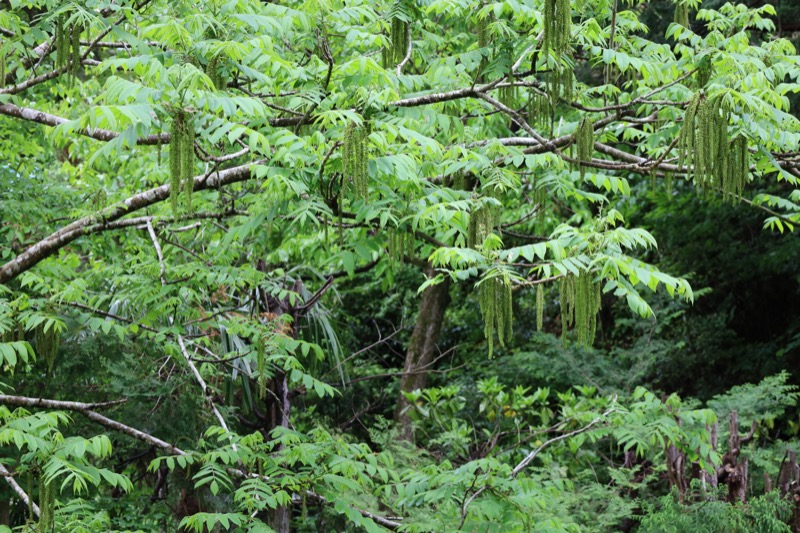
278	407
421	350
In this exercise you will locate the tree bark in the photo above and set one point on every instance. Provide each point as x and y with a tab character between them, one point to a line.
421	349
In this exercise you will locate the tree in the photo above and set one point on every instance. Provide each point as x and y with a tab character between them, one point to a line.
209	171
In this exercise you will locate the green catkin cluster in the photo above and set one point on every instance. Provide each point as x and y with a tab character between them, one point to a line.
13	333
2	66
261	365
459	182
181	159
355	157
214	73
68	46
62	42
47	497
539	111
704	72
47	344
482	222
557	26
682	14
584	140
398	38
738	168
398	244
508	95
495	302
560	84
29	479
540	197
539	307
710	158
580	302
99	199
482	30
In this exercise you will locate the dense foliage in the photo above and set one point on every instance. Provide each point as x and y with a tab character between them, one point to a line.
419	265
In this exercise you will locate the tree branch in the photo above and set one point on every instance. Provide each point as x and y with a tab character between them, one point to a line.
97	222
16	488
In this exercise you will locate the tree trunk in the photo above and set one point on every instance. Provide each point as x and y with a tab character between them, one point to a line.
421	350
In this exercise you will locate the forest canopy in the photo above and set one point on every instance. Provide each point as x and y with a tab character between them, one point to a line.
419	265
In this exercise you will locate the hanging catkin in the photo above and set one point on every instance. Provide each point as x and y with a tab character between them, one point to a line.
584	139
704	72
181	159
739	168
682	14
539	111
410	243
709	157
175	147
481	224
496	308
355	158
47	344
557	26
580	302
62	42
261	366
540	198
2	65
539	307
187	163
67	41
46	502
560	84
214	74
508	96
482	30
75	35
459	181
395	245
398	39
